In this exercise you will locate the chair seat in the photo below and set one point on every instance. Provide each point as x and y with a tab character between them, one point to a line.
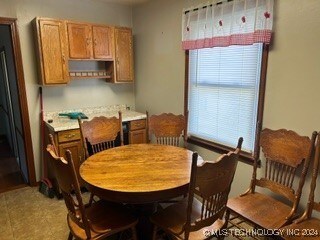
174	217
105	217
260	209
308	229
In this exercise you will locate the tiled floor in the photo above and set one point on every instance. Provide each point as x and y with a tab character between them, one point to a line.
26	214
10	175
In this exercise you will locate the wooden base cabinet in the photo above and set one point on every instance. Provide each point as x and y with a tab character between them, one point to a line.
67	140
137	133
75	148
70	140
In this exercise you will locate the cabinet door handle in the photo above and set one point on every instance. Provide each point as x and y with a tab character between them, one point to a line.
88	41
63	59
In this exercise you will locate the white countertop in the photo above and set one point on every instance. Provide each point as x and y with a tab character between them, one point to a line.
61	123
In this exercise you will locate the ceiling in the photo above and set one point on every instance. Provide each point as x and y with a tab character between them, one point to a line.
127	2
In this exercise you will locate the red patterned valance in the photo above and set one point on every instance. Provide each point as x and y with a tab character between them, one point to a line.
239	22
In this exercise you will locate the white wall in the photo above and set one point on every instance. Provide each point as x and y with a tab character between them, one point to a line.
79	93
293	77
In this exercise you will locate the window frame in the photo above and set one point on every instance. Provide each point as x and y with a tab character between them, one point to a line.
220	148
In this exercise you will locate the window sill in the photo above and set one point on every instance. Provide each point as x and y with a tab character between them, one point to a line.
245	157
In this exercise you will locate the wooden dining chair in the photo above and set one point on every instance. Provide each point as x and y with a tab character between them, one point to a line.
167	128
209	189
53	144
307	226
100	133
285	151
96	220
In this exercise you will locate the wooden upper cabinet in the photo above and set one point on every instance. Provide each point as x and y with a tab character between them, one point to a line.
88	41
80	41
103	42
124	55
51	41
63	44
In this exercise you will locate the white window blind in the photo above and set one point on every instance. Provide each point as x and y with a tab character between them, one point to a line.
223	94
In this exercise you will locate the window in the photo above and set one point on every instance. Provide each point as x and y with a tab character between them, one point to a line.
223	92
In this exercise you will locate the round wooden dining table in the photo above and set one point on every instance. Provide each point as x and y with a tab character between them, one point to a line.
138	173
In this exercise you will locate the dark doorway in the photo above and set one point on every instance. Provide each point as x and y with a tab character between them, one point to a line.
16	156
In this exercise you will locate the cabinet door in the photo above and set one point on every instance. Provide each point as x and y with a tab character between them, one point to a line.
124	55
76	152
80	45
137	136
52	47
103	42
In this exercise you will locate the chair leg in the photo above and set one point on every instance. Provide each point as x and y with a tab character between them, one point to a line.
134	233
154	234
227	218
91	200
70	237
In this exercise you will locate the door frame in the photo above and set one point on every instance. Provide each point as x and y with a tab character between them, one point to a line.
12	23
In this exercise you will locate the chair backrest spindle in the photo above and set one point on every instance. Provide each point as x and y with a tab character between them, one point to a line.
167	128
213	196
100	133
285	151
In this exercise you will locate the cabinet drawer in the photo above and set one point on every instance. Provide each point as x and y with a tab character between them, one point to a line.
137	124
67	136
